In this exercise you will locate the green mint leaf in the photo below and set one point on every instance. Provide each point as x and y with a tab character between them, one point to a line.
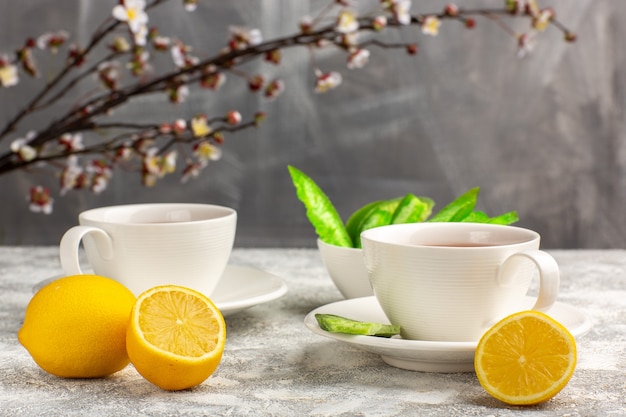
337	324
412	209
320	210
459	208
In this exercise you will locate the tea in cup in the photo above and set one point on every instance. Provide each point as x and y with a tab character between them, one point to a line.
145	245
452	281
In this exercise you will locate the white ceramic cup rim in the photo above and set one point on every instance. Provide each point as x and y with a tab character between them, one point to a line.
492	236
156	214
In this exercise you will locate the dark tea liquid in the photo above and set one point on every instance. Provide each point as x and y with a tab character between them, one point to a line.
462	245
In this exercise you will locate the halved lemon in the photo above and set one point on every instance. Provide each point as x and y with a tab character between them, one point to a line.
526	358
176	337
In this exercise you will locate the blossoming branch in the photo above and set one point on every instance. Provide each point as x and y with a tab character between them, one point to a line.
83	146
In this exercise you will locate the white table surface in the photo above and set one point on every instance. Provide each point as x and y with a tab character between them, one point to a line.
274	366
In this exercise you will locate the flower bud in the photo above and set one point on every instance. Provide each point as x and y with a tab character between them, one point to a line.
259	117
451	9
570	37
256	83
273	56
233	117
379	23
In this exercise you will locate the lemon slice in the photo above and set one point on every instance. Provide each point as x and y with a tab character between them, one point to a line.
526	358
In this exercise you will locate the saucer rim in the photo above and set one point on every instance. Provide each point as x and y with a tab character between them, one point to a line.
398	344
277	288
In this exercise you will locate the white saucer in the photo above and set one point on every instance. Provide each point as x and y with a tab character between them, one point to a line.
419	355
240	287
243	287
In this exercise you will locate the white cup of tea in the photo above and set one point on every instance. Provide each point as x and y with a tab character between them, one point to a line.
452	281
145	245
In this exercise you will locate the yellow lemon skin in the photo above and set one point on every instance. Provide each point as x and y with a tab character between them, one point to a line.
176	337
167	371
75	327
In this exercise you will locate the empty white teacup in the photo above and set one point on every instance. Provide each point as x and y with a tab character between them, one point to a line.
452	281
145	245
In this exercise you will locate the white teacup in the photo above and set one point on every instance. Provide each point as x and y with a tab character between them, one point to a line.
346	269
145	245
452	281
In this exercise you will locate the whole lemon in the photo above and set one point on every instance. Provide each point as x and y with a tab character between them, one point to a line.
75	327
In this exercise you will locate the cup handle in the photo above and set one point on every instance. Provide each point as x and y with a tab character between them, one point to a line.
549	277
70	243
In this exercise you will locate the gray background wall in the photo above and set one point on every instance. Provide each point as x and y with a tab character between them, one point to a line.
543	135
